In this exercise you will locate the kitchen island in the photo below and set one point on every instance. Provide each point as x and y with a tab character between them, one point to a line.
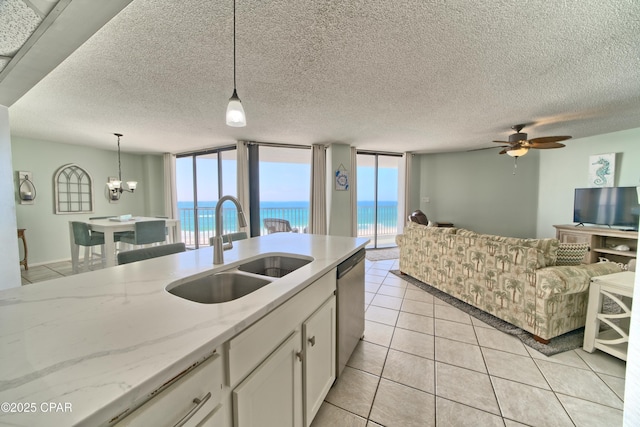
91	348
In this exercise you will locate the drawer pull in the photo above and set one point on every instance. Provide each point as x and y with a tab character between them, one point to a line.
312	340
199	404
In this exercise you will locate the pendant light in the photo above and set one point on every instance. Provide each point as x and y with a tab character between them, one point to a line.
235	112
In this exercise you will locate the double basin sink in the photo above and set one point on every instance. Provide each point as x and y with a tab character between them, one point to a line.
232	284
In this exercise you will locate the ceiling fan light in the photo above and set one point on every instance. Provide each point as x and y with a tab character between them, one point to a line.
235	112
518	152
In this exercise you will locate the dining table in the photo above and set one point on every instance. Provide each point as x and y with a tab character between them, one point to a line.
109	226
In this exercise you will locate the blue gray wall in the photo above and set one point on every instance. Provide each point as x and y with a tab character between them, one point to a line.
477	190
48	233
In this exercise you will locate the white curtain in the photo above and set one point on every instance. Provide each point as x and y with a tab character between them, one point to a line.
318	211
242	158
171	192
404	190
353	181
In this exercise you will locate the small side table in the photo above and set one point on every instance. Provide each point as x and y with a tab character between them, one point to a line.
615	340
24	245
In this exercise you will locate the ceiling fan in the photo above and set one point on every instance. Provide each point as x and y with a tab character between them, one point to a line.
519	145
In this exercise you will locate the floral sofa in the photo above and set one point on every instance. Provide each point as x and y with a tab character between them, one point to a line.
514	279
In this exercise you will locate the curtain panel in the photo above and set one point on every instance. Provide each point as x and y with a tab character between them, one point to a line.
318	211
171	190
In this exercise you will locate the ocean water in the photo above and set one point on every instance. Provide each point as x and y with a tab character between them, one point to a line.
296	212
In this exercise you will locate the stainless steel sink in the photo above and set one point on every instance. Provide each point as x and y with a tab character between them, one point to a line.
274	265
217	288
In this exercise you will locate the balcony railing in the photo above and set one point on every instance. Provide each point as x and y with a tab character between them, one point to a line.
297	217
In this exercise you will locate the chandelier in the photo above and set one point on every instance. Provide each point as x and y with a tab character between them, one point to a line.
115	185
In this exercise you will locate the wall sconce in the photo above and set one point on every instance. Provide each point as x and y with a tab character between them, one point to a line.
115	184
26	188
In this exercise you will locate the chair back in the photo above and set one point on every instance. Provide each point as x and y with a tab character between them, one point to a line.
419	217
277	225
127	257
82	236
150	232
81	233
234	237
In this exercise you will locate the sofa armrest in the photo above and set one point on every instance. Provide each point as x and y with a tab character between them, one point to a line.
570	279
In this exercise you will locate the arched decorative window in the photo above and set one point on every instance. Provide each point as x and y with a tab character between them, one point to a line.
74	190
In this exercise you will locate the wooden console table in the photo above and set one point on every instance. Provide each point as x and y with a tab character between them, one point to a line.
24	245
615	340
602	242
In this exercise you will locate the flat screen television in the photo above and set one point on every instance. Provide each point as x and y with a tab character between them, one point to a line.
613	206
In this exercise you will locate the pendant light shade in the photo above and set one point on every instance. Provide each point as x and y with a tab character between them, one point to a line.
519	152
235	112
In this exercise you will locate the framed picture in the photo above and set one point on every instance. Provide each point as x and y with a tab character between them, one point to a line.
342	179
602	170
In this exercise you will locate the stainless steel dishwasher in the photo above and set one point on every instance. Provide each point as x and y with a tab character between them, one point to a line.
350	302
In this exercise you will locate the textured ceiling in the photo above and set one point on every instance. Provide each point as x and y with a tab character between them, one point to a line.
391	75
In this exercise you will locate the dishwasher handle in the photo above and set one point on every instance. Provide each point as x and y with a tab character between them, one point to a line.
347	265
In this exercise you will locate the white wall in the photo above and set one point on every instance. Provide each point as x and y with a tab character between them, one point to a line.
48	233
9	261
564	170
478	190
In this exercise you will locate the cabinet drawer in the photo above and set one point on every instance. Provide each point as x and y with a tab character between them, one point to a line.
248	349
197	393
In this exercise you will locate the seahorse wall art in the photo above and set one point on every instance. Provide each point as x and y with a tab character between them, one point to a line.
601	170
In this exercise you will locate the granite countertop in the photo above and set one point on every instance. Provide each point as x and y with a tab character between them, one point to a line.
95	344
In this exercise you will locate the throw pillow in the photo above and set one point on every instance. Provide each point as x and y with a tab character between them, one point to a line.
571	253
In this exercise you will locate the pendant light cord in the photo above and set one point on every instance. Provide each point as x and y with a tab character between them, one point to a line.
234	45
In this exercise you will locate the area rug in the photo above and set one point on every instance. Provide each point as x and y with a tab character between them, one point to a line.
569	341
383	254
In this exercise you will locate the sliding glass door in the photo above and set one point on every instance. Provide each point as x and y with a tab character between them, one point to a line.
378	197
202	178
283	189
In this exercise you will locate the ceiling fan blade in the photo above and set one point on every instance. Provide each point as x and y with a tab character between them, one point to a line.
505	150
545	139
502	142
485	148
545	145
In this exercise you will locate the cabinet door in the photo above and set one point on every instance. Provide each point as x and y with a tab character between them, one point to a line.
319	366
271	396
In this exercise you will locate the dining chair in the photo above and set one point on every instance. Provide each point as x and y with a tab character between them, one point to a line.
135	255
117	235
145	233
278	225
82	236
233	237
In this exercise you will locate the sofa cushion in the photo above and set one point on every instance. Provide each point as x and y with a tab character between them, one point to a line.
571	253
547	248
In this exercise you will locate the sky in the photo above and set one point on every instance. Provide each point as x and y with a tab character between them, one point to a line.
278	181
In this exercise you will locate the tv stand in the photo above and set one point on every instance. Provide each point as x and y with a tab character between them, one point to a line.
601	242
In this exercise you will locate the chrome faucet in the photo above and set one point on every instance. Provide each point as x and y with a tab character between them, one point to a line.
218	246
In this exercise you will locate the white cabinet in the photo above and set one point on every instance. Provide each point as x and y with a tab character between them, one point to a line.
602	242
272	395
319	357
194	400
282	366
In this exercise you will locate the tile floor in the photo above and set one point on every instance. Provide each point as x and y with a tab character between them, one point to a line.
425	363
